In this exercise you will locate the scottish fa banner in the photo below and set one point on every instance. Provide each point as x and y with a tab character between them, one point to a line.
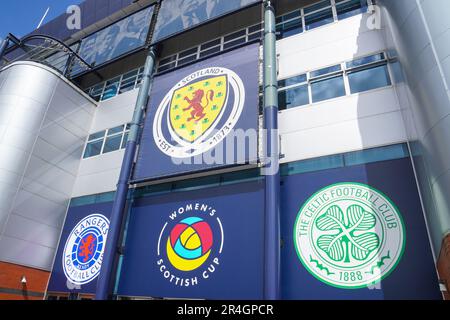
202	117
80	252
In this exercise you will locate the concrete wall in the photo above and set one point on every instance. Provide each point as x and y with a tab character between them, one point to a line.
44	121
419	31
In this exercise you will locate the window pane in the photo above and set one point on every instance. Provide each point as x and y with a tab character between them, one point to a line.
115	130
365	60
125	140
210	44
97	135
289	29
128	81
325	71
235	35
294	97
369	79
328	89
112	86
209	51
93	149
317	6
318	19
112	143
234	43
348	9
291	81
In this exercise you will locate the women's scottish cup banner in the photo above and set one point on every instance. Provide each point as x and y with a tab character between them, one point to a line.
202	117
176	16
80	251
203	244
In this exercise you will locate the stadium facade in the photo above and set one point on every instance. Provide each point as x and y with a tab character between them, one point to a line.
201	149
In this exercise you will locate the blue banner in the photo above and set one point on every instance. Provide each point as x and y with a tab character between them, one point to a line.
123	36
356	233
80	251
176	16
202	117
205	244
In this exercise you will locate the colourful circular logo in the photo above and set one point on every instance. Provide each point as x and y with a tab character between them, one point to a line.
189	244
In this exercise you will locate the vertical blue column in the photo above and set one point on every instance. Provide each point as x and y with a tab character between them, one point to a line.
271	169
107	273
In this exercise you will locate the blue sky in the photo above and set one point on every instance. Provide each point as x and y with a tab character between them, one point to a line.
22	16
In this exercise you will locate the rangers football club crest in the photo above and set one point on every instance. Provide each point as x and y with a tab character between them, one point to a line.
83	252
198	112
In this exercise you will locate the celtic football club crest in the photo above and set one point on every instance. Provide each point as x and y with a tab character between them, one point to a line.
349	235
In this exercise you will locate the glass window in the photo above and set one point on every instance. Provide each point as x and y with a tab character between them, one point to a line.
318	15
113	143
349	8
369	79
115	130
93	149
292	81
125	140
290	28
324	71
234	43
294	97
97	91
111	88
328	89
366	60
128	81
97	135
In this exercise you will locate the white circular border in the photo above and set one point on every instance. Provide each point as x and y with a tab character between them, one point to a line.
384	271
202	146
71	240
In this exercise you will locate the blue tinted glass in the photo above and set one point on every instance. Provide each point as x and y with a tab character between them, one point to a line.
97	135
115	130
348	9
328	89
93	149
294	97
104	197
291	81
112	143
289	29
117	39
365	60
377	154
176	16
82	201
324	71
311	165
317	6
318	19
125	140
369	79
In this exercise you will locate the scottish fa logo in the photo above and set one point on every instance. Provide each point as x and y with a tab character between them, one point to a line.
190	244
83	252
199	112
349	235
